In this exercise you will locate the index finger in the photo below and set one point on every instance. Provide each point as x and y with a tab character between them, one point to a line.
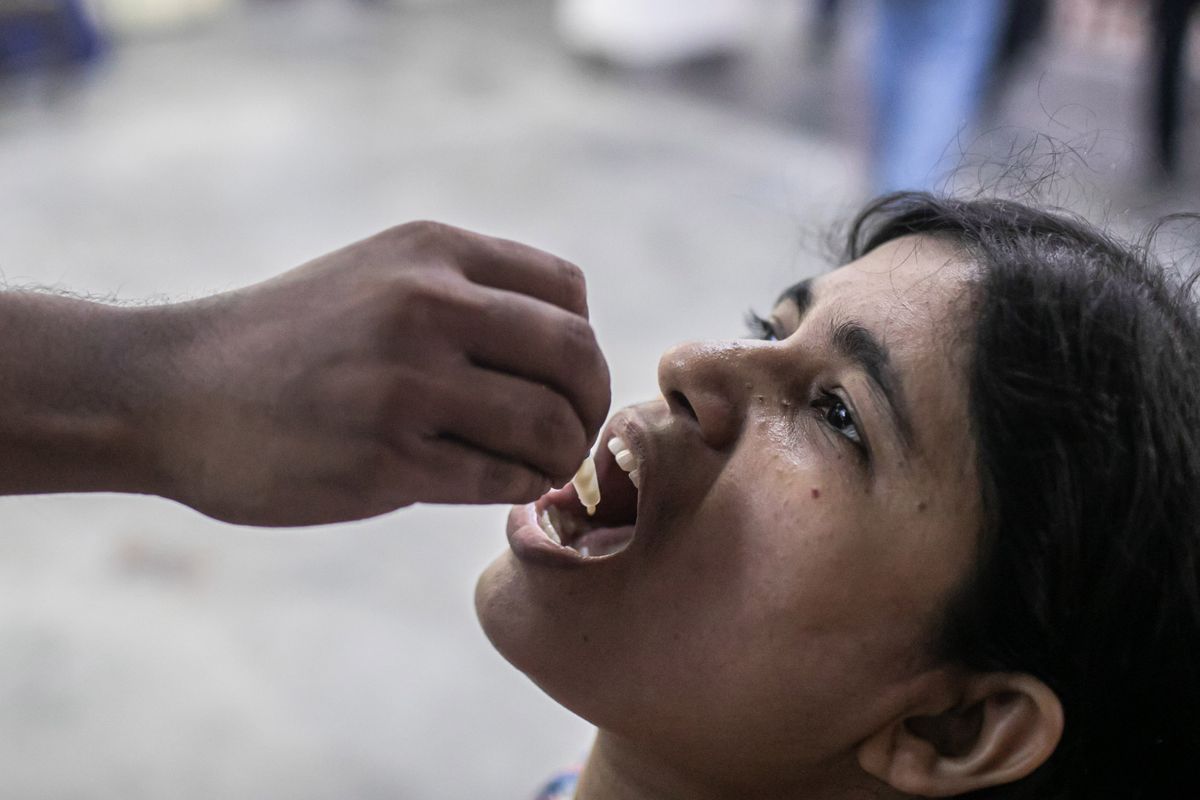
515	267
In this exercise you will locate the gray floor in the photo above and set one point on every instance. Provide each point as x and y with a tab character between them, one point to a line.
146	652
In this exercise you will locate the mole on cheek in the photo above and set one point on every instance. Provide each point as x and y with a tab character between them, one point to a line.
921	506
816	493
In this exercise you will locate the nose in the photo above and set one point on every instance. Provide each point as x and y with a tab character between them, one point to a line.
709	383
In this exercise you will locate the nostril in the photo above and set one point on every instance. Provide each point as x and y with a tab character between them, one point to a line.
678	401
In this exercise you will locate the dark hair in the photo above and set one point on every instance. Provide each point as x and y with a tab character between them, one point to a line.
1084	396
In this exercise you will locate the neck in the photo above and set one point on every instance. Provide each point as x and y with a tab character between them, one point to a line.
618	769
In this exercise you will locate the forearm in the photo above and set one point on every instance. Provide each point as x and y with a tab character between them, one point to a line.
83	394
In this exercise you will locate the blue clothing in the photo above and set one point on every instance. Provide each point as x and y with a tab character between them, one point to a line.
46	35
932	60
562	787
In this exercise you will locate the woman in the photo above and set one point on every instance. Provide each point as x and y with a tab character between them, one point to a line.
937	534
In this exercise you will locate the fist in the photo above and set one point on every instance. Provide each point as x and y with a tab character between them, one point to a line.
425	364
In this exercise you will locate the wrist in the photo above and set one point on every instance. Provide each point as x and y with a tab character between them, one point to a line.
84	394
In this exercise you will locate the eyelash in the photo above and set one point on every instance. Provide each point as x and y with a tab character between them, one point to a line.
759	328
764	329
829	402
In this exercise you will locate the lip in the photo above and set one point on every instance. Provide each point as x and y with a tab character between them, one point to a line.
531	545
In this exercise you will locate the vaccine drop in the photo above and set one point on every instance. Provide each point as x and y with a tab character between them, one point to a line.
586	485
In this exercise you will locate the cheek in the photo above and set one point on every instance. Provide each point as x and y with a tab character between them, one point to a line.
813	563
764	564
775	615
794	569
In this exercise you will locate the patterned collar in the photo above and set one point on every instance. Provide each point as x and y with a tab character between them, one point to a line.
562	787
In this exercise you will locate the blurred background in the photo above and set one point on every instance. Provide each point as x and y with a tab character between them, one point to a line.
690	154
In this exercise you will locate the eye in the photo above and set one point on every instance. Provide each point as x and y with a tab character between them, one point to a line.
759	328
837	416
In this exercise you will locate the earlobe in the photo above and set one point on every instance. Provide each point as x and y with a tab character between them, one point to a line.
1000	729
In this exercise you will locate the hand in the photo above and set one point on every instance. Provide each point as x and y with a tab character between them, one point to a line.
425	364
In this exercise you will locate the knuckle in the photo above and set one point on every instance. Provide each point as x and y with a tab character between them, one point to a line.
580	353
421	299
573	282
489	308
405	237
422	230
414	302
579	338
434	242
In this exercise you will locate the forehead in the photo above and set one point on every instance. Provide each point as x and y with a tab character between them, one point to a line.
912	281
910	293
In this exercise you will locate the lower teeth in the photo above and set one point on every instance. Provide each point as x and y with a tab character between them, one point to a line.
548	527
552	523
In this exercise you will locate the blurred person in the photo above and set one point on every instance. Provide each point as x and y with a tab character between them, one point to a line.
46	33
935	535
930	75
650	33
154	17
1170	32
425	364
1025	25
824	25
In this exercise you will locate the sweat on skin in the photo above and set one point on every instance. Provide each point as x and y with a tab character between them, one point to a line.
808	505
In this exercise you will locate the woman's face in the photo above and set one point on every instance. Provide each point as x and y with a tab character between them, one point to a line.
807	506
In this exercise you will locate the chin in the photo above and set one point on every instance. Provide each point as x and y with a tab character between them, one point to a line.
546	641
517	614
508	611
554	603
496	607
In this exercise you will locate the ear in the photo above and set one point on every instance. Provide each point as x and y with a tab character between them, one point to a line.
994	728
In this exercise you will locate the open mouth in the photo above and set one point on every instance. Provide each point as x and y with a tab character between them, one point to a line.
564	521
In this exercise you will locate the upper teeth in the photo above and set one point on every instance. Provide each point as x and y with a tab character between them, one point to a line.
626	459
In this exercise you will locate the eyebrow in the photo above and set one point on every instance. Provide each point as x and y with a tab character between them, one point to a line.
862	348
